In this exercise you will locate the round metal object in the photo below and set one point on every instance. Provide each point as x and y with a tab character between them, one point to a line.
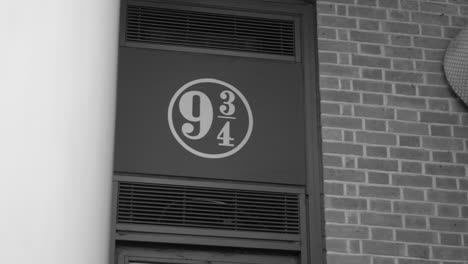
456	65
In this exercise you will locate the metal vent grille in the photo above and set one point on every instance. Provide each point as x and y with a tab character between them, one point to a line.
210	30
173	205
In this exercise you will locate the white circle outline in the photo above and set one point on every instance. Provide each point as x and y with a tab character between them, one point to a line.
196	152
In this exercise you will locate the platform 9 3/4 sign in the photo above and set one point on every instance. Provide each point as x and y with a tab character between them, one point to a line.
210	118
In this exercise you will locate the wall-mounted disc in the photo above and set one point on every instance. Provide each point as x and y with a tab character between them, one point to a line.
456	65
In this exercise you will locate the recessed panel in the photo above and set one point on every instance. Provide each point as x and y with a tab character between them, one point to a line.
210	116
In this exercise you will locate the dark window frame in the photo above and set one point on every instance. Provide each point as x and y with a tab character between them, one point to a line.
314	248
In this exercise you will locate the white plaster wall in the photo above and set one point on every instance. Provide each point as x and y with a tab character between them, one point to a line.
58	61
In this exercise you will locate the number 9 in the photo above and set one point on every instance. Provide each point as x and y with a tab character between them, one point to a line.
187	108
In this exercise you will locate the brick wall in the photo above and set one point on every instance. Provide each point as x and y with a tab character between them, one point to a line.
395	137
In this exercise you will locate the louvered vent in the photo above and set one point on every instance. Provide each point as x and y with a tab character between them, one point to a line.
173	205
210	30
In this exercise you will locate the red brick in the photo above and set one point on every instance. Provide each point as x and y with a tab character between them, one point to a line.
458	106
445	210
409	153
346	175
425	18
379	192
342	122
336	21
451	197
439	8
409	141
378	219
349	259
445	170
405	65
338	46
401	76
342	148
370	49
451	32
345	203
405	89
441	130
399	15
400	40
375	151
325	33
411	167
431	43
462	158
375	74
370	61
412	180
372	86
446	183
383	248
334	216
329	82
461	132
443	118
374	112
375	138
388	3
367	2
409	4
439	143
377	164
450	253
342	1
336	245
412	194
328	57
439	105
338	70
415	221
380	206
375	125
425	66
325	8
333	188
435	55
436	79
418	208
407	102
369	37
424	237
408	128
371	98
340	96
418	251
434	91
458	21
332	161
343	58
397	27
431	30
347	231
367	12
440	156
368	24
399	172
